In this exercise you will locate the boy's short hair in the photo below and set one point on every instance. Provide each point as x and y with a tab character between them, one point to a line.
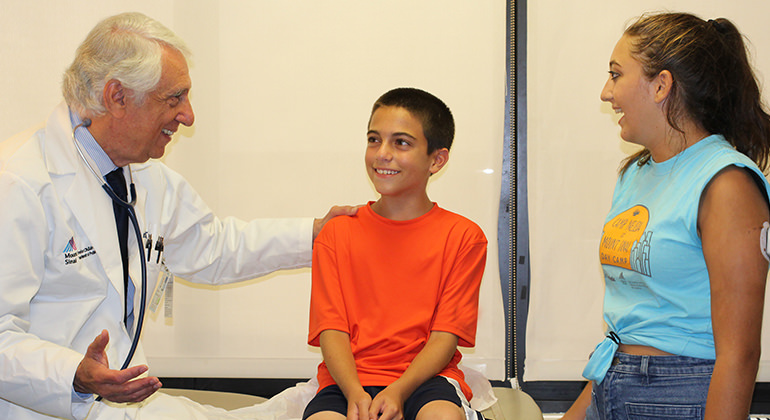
438	125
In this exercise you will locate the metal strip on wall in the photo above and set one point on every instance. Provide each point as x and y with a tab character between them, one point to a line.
513	229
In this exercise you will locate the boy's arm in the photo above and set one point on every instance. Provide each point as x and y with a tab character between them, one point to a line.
429	362
335	348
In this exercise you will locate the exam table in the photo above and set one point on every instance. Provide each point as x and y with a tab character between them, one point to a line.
511	404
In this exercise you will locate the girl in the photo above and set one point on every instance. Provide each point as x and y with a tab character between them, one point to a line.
684	272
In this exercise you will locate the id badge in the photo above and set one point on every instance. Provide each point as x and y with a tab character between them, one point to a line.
165	279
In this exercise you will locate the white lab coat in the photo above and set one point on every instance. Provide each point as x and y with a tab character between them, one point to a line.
55	299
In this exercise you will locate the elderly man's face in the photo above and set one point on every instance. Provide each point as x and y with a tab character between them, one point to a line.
148	128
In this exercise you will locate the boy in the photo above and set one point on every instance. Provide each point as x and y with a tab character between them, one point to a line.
396	287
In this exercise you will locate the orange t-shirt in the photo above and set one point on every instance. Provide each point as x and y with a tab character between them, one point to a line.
388	284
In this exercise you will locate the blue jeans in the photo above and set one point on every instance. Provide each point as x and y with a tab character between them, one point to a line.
652	387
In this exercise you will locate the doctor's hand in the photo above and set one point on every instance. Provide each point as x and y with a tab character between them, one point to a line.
333	212
94	376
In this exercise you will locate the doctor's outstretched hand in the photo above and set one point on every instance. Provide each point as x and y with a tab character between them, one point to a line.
94	376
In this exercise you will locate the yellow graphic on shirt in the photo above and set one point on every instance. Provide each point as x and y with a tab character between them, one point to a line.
625	242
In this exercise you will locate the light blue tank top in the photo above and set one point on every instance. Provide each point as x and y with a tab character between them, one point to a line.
656	283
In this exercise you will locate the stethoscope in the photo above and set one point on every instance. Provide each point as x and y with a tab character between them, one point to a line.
129	206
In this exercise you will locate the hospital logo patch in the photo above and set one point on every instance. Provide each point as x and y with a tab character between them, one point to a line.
72	254
70	246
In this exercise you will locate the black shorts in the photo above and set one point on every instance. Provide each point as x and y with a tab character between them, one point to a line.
437	388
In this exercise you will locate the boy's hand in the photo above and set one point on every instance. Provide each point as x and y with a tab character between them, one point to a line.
358	406
387	405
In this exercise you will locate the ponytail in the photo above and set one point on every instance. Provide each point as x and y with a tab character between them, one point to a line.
714	83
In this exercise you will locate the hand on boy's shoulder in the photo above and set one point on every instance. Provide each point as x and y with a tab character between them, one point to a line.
335	211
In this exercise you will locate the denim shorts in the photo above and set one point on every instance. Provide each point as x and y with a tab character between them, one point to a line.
652	387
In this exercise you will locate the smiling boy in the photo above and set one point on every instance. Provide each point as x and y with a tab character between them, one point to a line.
396	287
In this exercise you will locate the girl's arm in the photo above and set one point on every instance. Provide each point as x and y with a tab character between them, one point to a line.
731	214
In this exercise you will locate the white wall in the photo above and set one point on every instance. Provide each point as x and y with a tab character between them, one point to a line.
282	93
575	150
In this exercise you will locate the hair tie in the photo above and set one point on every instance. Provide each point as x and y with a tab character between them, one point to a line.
717	25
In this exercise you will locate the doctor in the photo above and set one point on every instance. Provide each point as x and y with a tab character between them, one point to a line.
65	327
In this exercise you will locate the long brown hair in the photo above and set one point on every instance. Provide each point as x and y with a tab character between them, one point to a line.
714	83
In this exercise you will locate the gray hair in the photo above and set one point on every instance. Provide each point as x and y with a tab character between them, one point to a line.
127	47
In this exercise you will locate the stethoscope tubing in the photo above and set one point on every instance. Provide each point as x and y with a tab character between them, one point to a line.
129	206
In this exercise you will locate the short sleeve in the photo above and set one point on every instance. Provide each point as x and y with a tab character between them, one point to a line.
327	305
458	307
